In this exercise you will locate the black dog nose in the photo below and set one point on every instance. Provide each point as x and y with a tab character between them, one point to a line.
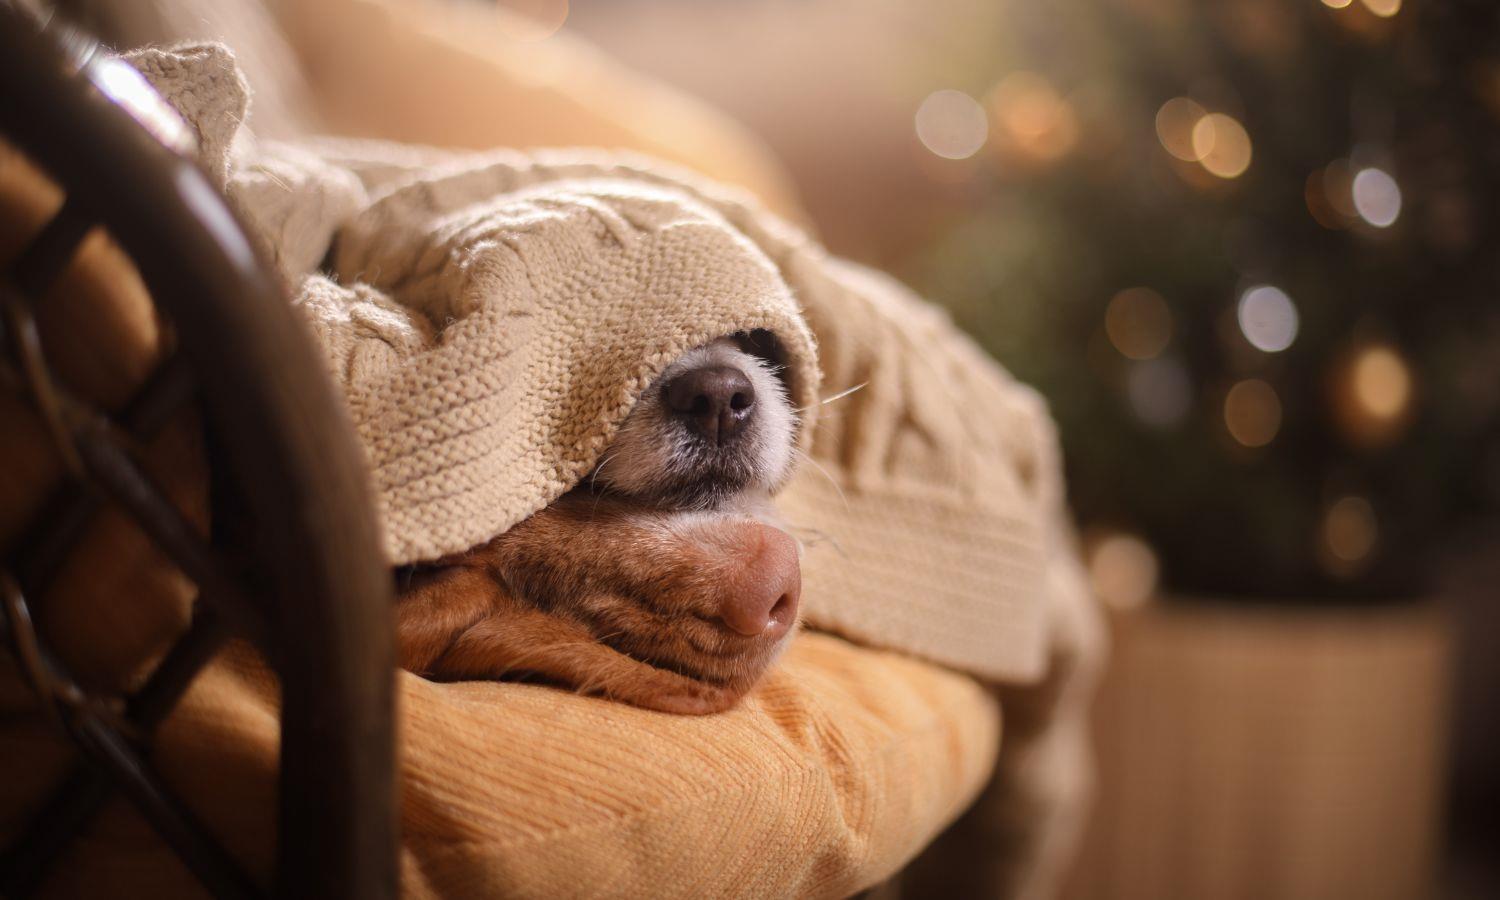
716	401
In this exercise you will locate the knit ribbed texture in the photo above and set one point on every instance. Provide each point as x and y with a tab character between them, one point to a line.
927	503
493	317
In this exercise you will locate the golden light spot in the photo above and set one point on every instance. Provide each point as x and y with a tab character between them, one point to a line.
952	124
1252	413
1222	145
535	20
1138	323
1381	383
1034	118
1373	393
1124	571
1175	122
1348	535
1383	8
1337	4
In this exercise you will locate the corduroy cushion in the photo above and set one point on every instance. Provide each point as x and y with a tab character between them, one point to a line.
830	777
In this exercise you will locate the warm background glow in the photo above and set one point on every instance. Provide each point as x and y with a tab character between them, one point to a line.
538	19
1245	249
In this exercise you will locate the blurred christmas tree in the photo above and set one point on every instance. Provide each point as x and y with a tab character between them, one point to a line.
1249	252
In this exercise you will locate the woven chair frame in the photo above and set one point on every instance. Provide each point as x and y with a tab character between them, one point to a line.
293	564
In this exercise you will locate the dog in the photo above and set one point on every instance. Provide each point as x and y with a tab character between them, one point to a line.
662	580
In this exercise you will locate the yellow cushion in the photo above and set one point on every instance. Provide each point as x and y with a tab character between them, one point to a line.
841	766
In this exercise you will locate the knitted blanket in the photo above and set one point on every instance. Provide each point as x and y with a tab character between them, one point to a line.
492	317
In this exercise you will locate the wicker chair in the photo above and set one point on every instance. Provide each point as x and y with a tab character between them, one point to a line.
291	561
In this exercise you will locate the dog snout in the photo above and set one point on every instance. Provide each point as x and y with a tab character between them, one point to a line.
763	601
716	401
715	427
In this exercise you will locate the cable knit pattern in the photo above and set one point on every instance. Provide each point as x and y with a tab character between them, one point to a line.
552	310
493	316
928	495
207	89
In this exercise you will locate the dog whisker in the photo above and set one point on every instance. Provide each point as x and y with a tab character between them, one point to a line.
594	476
593	482
824	472
836	397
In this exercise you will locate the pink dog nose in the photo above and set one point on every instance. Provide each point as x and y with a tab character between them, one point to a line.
763	601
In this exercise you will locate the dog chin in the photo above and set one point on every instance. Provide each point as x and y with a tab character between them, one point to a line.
711	492
653	586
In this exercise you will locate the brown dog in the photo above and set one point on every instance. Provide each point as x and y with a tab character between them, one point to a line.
658	581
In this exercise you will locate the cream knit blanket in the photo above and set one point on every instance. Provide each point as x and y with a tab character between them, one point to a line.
492	317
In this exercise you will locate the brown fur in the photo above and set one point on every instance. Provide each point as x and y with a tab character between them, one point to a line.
600	596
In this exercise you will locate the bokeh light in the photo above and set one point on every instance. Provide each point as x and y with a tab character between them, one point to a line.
536	20
1123	570
952	124
1252	413
1381	382
1383	8
1267	318
1222	145
1377	197
1160	392
1374	393
1337	4
1174	127
1348	534
1035	119
1138	323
